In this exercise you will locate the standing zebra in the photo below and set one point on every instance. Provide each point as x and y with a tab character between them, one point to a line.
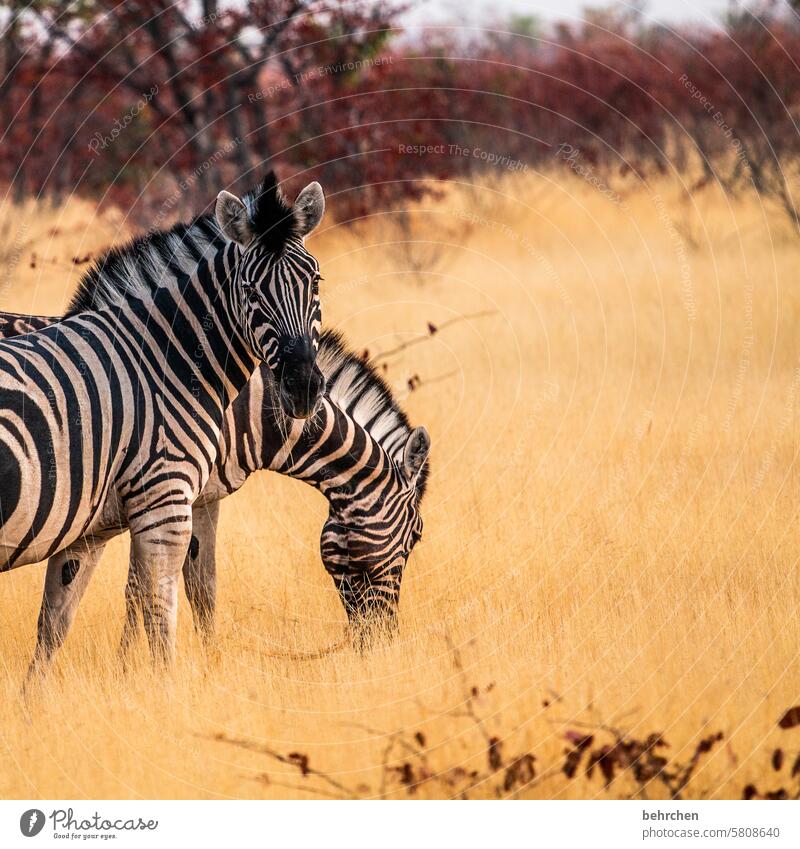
358	449
113	415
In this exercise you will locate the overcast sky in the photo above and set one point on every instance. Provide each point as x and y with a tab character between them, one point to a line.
475	12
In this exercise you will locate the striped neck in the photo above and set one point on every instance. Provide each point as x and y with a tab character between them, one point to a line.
355	438
177	285
147	264
338	456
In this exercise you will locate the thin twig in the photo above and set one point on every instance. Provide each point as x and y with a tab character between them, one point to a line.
310	655
383	355
264	778
470	712
299	762
438	379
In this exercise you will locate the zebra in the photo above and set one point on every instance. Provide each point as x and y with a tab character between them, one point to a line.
112	416
359	450
364	543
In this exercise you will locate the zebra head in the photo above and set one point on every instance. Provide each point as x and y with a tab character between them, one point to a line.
366	541
276	286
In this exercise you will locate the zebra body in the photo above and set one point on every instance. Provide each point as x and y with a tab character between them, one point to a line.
358	450
113	415
88	410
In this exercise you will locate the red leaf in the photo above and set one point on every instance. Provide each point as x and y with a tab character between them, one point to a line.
791	718
578	740
300	760
495	753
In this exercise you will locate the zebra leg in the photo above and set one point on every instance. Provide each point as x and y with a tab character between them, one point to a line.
133	604
200	569
159	552
68	574
199	577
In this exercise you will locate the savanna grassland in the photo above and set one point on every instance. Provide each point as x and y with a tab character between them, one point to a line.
611	528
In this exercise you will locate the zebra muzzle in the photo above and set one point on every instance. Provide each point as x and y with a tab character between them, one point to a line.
301	382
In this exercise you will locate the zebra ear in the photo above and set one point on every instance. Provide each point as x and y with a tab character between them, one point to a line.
416	451
232	219
309	208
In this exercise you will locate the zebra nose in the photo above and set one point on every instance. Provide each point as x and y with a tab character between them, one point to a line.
305	390
301	383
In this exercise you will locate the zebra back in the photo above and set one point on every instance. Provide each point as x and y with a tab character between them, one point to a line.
125	395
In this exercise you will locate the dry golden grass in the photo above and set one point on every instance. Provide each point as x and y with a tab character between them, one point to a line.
611	529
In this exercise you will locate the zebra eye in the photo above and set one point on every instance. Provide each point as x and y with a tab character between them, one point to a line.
250	292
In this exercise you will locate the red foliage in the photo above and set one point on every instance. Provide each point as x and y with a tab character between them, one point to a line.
144	99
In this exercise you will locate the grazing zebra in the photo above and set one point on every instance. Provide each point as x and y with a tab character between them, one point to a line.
358	450
112	416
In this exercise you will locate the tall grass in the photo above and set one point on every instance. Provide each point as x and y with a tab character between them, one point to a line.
611	529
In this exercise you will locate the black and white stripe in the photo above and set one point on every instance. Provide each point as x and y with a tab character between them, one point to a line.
358	450
113	415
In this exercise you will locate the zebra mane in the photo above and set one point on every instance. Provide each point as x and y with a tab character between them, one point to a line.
270	216
356	387
139	267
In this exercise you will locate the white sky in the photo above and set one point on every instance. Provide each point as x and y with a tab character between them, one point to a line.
477	12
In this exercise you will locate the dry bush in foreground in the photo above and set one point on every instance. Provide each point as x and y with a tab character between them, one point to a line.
598	755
